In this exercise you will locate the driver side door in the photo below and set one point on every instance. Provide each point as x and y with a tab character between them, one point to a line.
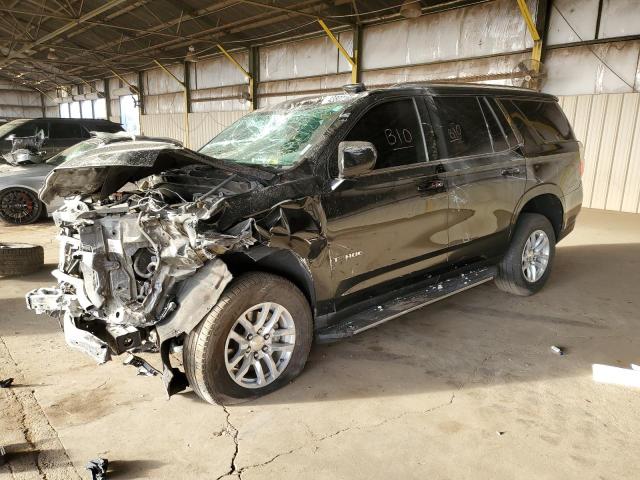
389	224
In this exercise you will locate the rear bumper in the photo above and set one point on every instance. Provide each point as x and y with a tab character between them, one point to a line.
572	206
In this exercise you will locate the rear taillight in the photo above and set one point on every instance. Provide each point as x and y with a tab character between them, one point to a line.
581	150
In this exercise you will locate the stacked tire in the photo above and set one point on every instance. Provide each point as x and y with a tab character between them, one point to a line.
20	258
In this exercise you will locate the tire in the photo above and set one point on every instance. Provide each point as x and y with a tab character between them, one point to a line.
511	276
20	258
205	352
20	206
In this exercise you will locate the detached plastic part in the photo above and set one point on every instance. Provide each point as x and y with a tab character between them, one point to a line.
6	383
98	468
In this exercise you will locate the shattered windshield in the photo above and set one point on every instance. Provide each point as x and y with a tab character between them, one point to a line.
73	151
277	137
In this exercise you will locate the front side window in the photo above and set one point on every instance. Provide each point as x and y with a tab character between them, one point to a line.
277	137
394	129
462	129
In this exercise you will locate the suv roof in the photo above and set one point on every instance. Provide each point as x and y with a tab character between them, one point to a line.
468	89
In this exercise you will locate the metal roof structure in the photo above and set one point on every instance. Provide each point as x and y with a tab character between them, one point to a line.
46	43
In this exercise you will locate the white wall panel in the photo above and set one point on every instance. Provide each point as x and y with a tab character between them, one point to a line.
158	81
484	29
219	72
578	70
581	15
305	58
609	127
202	126
619	18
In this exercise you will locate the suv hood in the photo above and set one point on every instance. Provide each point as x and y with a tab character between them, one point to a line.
103	165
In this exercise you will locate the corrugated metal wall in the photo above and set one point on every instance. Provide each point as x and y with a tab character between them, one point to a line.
203	126
609	127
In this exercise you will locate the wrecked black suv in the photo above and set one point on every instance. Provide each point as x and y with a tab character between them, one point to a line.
318	217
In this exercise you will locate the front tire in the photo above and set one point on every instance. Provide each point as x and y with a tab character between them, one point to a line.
255	340
526	266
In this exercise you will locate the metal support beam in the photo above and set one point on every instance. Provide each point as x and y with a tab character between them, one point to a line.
254	70
135	89
252	83
536	54
336	42
187	85
233	60
357	53
186	101
107	97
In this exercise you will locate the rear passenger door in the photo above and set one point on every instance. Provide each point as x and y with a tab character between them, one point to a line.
485	173
390	223
63	135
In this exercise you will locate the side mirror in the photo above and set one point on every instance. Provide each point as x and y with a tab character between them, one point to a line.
356	158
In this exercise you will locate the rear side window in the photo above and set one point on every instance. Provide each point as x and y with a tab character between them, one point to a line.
462	128
66	130
394	128
496	133
544	120
104	127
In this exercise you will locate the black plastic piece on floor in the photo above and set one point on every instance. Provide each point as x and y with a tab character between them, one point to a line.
98	468
6	383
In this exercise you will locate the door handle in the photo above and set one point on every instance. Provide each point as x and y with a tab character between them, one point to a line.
431	186
505	172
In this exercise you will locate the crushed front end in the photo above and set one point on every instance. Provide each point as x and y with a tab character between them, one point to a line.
138	260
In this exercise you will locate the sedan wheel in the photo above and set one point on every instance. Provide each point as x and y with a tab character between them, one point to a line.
20	206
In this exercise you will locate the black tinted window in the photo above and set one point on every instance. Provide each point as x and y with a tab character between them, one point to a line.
496	131
545	120
104	127
503	121
394	128
28	129
66	130
462	129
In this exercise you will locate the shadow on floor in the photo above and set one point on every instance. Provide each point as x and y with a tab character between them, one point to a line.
480	337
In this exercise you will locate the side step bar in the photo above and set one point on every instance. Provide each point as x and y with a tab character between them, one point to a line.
374	316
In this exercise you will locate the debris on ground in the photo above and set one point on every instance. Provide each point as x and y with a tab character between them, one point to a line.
144	367
98	468
627	377
3	455
6	383
557	350
500	433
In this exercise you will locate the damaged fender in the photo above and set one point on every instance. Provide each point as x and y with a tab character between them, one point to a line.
196	297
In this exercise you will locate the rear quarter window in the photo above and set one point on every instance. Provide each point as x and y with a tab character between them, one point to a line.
544	120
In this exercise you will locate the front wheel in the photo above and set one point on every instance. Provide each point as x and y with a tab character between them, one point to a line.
255	340
526	266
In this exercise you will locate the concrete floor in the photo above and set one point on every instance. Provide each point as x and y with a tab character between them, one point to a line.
466	388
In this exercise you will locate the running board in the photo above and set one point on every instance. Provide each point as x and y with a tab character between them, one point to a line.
374	316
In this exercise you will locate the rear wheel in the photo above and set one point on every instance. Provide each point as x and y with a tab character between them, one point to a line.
255	340
527	264
20	206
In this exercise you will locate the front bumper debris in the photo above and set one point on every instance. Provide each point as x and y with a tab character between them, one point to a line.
85	341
